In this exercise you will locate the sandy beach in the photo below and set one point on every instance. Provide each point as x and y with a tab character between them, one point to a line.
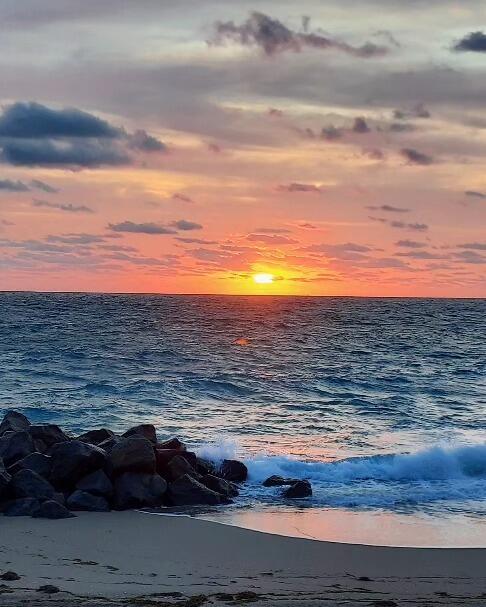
133	558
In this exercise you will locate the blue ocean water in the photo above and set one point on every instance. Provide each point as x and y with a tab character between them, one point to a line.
380	402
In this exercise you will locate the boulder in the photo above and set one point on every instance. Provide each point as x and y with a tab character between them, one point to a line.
95	437
164	456
298	489
139	490
37	462
96	483
219	485
72	460
173	443
4	478
15	446
234	471
48	434
24	506
178	466
142	431
204	466
132	455
187	491
108	444
14	421
81	500
52	510
28	483
279	481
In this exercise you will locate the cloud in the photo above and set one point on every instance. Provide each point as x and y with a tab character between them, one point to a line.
360	126
331	133
474	194
45	187
411	244
69	208
141	228
13	186
474	246
186	226
34	121
388	208
418	111
300	187
273	37
78	238
470	256
141	140
416	227
416	157
474	42
271	239
195	240
273	231
182	198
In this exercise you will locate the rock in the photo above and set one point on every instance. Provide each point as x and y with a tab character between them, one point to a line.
60	498
10	576
27	483
132	455
24	506
72	460
178	466
279	481
219	485
15	446
49	434
48	589
14	421
4	478
187	491
298	489
108	444
52	510
95	437
164	456
142	431
138	490
232	470
96	483
173	443
204	466
37	462
81	500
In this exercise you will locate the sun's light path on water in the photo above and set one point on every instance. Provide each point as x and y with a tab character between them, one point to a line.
263	278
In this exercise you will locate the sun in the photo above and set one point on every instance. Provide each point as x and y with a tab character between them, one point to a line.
263	278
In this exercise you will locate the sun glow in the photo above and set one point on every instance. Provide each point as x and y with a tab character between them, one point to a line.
263	278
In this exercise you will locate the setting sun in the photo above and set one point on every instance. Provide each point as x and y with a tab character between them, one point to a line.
263	278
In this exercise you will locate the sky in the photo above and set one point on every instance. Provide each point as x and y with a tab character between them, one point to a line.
334	147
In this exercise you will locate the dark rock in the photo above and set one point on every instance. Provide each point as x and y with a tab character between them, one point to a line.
173	443
219	485
164	456
138	490
142	431
48	589
81	500
132	455
108	444
96	483
24	506
72	460
10	576
49	434
232	470
279	481
52	510
4	478
178	466
60	498
15	446
95	437
298	489
187	491
14	421
204	466
37	462
28	483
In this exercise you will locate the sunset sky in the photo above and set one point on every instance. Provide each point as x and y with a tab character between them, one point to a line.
335	147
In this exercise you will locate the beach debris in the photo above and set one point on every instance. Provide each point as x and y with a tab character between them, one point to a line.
48	589
298	489
53	510
81	500
279	481
10	576
232	470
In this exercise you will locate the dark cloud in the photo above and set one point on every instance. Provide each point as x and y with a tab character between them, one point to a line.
300	187
474	194
415	157
45	187
418	111
78	238
141	140
473	246
471	256
195	240
141	228
273	231
271	239
410	244
182	198
68	208
33	121
401	127
331	133
422	255
360	125
388	208
185	226
474	42
13	186
415	227
273	37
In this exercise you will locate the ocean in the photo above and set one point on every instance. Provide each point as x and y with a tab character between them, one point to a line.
381	403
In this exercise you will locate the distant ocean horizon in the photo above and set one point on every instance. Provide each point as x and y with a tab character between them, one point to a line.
380	402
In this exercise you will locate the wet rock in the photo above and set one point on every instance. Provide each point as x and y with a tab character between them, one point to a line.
173	443
28	483
37	462
72	460
187	491
10	576
15	446
52	510
4	478
232	470
95	437
14	421
279	481
164	457
177	467
142	431
132	455
96	483
204	466
219	485
138	490
24	506
108	444
81	500
49	434
48	589
298	489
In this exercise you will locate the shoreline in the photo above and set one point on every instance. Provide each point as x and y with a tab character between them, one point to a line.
125	555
